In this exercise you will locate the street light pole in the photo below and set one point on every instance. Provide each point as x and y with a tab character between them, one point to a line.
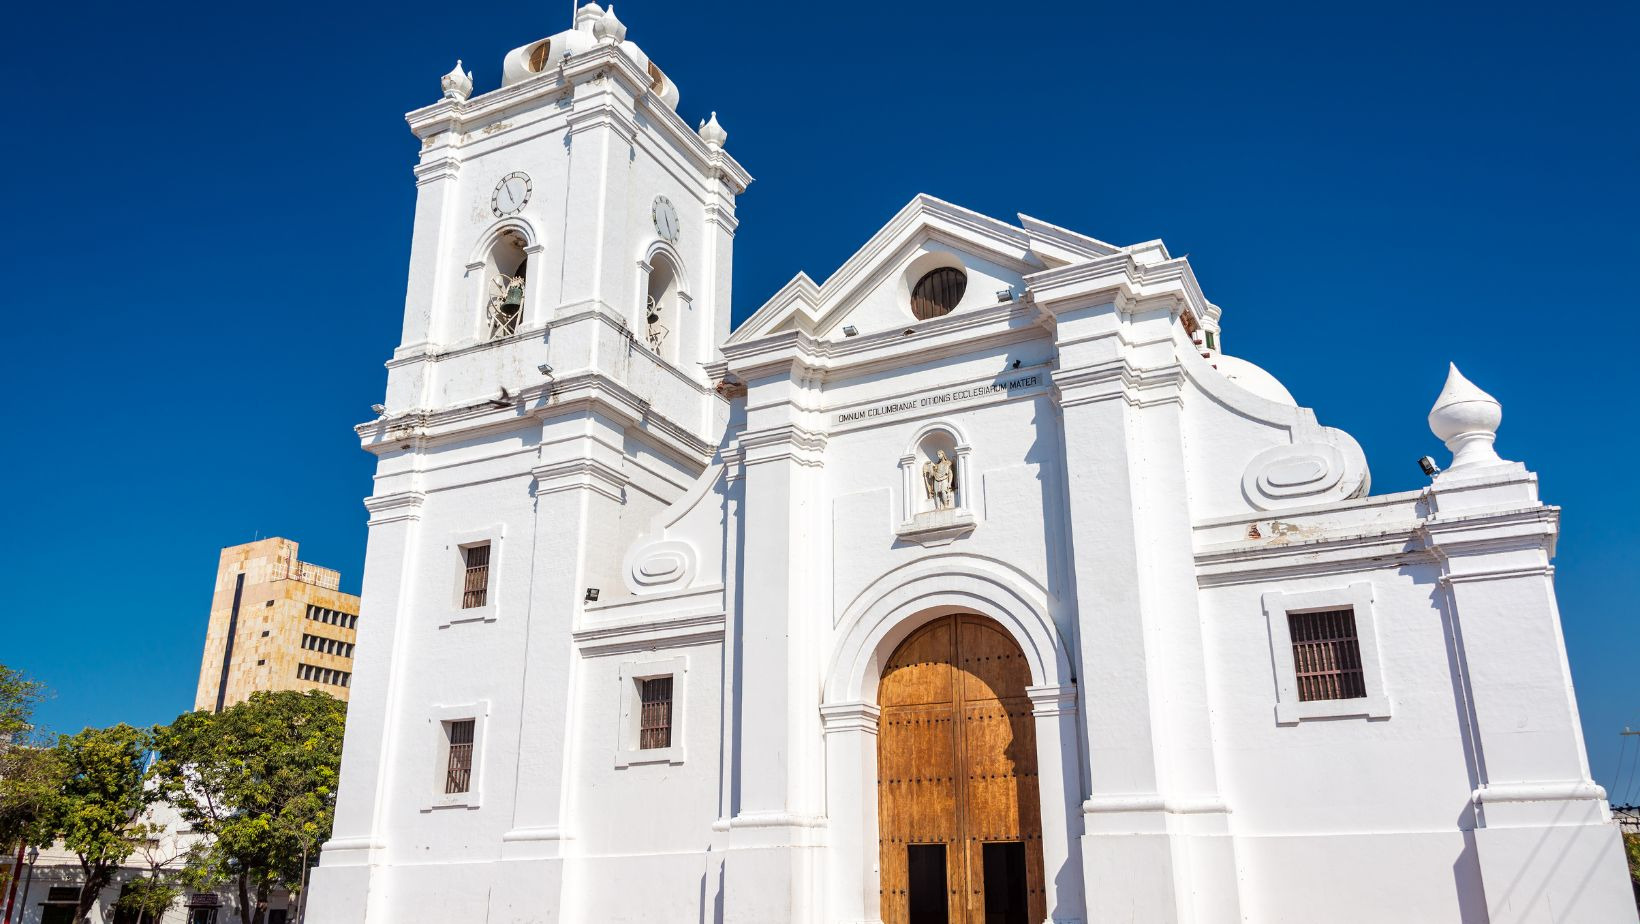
33	857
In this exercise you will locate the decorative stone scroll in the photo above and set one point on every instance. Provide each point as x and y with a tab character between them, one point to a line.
1304	473
659	565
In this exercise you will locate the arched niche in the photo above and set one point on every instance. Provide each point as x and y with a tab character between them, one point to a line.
503	263
666	313
929	513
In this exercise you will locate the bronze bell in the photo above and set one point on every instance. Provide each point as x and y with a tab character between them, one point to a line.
514	298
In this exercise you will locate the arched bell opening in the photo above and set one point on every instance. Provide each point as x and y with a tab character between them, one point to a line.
506	268
959	807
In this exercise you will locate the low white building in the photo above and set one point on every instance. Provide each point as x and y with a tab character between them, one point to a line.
48	887
976	583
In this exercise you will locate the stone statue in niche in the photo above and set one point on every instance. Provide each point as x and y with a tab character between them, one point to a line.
940	481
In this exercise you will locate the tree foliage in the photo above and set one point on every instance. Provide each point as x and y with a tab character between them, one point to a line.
99	810
151	897
30	774
259	780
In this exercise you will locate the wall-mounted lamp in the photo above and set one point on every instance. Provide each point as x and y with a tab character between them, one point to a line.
1429	466
380	409
544	369
849	330
592	595
1005	295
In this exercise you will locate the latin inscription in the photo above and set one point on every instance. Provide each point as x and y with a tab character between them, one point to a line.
949	397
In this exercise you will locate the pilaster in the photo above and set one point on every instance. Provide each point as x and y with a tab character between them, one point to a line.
358	844
1156	836
1534	797
775	834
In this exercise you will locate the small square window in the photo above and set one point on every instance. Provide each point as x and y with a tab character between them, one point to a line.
261	661
264	633
1324	648
1326	655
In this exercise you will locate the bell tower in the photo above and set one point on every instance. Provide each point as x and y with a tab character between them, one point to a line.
569	281
567	210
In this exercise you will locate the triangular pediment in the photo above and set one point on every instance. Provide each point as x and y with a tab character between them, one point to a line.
871	290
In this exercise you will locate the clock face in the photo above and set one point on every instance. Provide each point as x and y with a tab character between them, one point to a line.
666	219
511	194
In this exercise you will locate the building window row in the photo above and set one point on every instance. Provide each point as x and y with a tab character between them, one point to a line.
333	646
328	675
333	617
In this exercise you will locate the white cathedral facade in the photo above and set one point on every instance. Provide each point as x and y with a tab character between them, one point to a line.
976	584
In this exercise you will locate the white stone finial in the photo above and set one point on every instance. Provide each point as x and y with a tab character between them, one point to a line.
712	133
1466	419
609	29
587	16
458	84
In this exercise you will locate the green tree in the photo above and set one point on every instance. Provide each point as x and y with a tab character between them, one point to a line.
151	896
1631	846
259	781
28	773
99	810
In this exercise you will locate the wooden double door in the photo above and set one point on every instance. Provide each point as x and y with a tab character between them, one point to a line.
958	813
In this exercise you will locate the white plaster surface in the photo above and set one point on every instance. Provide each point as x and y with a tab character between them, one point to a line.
1129	502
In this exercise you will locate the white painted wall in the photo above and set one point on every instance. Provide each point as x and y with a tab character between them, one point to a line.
1134	516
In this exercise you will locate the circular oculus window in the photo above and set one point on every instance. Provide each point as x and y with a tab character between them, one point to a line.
938	292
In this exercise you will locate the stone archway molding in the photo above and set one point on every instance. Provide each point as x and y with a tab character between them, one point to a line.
901	600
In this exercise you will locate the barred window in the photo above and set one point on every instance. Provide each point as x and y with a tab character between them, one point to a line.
1326	655
475	588
655	723
458	767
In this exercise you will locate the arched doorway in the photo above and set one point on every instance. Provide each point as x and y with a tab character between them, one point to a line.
959	817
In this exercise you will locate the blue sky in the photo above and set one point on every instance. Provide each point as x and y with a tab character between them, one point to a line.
208	216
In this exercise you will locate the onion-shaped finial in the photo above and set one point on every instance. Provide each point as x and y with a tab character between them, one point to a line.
712	133
1466	419
458	84
609	29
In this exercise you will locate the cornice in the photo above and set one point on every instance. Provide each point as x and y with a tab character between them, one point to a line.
650	635
786	442
604	61
572	474
1254	561
1080	285
401	506
856	716
1429	541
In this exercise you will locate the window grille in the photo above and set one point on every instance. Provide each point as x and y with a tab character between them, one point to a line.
476	585
655	720
1326	655
938	292
458	776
